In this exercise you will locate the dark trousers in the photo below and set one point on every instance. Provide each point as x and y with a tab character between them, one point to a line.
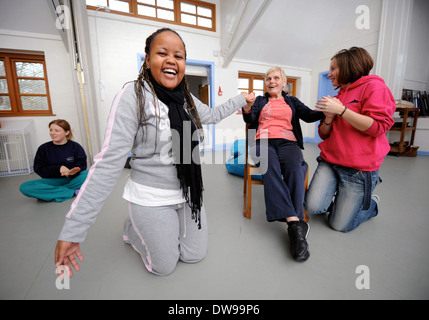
283	171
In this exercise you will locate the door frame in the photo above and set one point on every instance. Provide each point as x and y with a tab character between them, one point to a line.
325	88
210	66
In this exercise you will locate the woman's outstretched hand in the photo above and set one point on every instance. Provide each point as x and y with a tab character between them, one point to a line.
250	99
65	255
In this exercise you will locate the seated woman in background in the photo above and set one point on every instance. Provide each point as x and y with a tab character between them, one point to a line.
275	117
61	163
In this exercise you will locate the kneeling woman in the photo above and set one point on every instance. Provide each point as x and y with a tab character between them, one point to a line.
160	122
275	118
354	142
61	163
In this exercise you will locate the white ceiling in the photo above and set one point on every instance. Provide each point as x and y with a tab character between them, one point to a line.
282	32
27	16
296	32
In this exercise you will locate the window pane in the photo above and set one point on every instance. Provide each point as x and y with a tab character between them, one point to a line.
151	2
258	84
206	12
3	86
203	22
243	83
147	11
258	93
34	103
119	5
186	18
165	14
29	69
96	3
5	103
2	70
31	86
169	4
240	91
188	8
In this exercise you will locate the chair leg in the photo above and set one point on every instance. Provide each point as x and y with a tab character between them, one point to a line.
245	193
306	218
248	213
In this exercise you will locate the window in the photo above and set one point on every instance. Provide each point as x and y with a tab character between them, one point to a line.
251	83
191	13
158	9
290	87
24	87
194	14
256	83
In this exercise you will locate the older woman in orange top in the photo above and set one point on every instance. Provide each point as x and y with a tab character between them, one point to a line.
275	117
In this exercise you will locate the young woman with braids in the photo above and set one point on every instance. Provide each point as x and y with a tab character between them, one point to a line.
159	121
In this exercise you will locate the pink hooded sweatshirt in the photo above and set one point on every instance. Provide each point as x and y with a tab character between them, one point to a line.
349	147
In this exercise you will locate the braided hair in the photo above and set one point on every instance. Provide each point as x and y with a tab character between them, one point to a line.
144	77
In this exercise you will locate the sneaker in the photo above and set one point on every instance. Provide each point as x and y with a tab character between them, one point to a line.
298	233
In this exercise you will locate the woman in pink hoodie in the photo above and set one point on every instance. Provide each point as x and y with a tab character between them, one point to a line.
354	142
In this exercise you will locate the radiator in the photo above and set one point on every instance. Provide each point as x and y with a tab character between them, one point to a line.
16	151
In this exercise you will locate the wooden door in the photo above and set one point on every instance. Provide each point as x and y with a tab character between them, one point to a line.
204	94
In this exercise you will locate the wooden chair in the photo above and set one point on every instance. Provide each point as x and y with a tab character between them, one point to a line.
251	170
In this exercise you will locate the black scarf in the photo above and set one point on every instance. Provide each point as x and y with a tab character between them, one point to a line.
188	170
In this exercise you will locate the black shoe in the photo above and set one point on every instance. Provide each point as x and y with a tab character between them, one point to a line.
298	233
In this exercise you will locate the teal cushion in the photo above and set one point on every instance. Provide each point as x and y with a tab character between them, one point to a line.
235	163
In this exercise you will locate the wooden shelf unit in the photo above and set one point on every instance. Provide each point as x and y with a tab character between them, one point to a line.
405	148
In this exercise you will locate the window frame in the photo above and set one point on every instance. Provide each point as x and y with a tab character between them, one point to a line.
251	77
292	83
12	78
257	76
133	5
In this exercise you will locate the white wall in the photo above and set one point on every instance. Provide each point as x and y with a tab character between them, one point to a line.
119	39
59	76
411	57
228	80
417	64
417	71
352	36
29	25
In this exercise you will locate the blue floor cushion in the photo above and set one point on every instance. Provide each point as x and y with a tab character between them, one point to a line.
237	159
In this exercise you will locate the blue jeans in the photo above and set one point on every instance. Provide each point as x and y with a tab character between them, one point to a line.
345	192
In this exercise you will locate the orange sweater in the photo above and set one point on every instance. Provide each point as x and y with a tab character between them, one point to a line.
275	121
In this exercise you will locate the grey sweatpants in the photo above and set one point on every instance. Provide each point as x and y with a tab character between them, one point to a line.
164	235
